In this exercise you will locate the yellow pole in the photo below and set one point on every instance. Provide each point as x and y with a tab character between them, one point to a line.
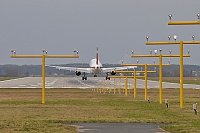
104	86
126	86
146	91
181	74
43	79
134	83
120	85
109	87
184	23
160	77
114	86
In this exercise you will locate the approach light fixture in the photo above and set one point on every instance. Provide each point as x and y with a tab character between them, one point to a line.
160	50
175	37
170	51
44	51
188	51
147	38
150	52
169	61
170	17
155	51
154	62
193	37
132	51
198	15
137	61
13	51
76	51
169	37
122	61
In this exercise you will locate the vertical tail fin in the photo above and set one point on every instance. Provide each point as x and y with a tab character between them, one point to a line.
97	57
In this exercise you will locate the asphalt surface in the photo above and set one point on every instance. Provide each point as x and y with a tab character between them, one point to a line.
77	82
118	128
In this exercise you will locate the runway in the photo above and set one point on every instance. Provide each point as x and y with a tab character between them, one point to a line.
77	82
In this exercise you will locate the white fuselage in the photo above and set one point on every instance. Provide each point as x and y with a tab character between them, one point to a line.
96	68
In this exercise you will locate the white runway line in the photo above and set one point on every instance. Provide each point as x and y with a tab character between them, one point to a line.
84	83
65	82
21	85
171	83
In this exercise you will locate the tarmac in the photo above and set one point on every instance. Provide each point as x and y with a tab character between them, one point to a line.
77	82
118	127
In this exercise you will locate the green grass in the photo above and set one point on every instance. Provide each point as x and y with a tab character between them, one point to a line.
21	109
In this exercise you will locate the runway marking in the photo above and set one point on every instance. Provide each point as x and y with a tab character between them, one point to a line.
84	83
13	79
22	85
171	83
32	85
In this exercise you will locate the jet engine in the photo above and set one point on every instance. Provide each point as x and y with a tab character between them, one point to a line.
112	73
78	73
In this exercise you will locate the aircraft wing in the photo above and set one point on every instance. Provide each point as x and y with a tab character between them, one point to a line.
86	70
105	70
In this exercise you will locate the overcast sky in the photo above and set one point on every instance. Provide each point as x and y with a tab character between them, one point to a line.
116	26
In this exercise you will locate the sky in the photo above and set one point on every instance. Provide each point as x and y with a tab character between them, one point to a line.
116	26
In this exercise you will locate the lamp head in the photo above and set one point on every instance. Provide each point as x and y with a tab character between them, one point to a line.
170	16
137	61
169	61
147	38
198	15
150	51
193	37
155	51
76	51
170	51
188	51
160	50
175	37
12	51
169	37
132	51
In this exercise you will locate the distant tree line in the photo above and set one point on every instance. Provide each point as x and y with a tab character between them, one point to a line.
10	70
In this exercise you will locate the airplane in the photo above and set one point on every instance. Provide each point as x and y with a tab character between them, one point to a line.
95	67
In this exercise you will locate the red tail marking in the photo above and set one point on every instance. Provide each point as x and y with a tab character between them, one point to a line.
97	56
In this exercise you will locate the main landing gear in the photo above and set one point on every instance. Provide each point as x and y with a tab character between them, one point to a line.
107	78
84	77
